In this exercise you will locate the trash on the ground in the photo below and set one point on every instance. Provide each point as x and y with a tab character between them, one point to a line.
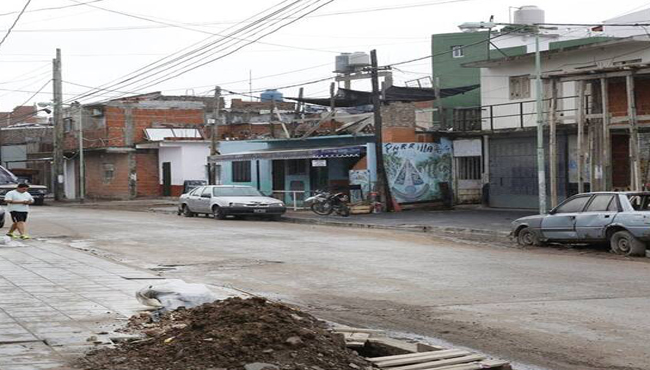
175	293
233	334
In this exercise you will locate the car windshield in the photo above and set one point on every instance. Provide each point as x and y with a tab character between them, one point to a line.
640	202
236	192
7	177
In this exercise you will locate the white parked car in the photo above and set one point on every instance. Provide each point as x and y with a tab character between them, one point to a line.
224	200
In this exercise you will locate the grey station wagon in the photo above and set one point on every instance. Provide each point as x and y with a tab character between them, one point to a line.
620	218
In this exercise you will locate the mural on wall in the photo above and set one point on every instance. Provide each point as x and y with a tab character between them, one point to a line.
415	170
361	178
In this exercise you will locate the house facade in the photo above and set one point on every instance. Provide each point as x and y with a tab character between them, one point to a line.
117	163
594	118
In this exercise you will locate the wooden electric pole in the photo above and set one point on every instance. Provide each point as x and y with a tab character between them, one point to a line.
382	187
57	169
214	136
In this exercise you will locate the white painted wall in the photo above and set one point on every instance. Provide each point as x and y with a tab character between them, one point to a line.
188	160
70	184
195	160
495	88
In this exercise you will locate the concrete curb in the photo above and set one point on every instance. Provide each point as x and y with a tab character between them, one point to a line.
410	228
356	225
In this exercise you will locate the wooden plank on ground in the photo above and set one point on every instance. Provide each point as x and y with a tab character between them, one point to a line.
421	357
358	330
441	363
485	364
356	340
392	346
407	355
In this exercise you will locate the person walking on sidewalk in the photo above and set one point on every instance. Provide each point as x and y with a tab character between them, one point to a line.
18	202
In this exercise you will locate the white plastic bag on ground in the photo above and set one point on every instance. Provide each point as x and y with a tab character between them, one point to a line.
172	294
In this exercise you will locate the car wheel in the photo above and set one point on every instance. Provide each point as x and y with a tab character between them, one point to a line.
218	213
187	212
528	238
624	243
39	201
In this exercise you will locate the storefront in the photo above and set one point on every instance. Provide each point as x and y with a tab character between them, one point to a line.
294	169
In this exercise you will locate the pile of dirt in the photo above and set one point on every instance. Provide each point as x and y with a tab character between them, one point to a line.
229	334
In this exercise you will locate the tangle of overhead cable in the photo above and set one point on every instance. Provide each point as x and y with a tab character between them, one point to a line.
229	47
193	49
207	59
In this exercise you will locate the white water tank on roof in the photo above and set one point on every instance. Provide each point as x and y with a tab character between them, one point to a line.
529	15
359	59
342	64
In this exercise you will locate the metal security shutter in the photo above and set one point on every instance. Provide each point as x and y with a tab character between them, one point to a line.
513	171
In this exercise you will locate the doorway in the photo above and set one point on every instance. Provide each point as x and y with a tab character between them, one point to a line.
167	179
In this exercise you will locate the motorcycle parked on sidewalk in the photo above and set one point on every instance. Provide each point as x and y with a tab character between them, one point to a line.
325	203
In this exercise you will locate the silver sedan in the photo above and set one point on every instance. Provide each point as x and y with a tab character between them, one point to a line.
620	218
221	201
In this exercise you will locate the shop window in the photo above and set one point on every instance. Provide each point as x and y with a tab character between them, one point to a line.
469	168
519	87
297	167
241	171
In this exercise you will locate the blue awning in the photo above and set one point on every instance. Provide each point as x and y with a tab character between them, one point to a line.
299	153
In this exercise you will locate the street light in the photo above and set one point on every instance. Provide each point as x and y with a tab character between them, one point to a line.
541	170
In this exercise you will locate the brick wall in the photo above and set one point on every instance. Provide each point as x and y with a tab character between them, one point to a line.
111	131
256	105
618	96
148	184
398	114
100	183
398	135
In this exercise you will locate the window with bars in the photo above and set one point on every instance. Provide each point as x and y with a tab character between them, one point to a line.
241	171
519	87
469	168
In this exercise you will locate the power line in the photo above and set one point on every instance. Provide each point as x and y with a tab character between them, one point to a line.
15	22
202	62
185	26
53	8
36	93
274	27
183	53
207	24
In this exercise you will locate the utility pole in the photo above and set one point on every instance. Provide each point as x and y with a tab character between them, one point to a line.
541	170
82	164
214	137
552	154
58	128
382	187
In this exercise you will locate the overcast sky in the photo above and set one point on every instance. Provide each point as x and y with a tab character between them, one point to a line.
100	45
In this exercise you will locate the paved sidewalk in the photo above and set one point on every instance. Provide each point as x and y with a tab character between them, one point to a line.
57	302
468	220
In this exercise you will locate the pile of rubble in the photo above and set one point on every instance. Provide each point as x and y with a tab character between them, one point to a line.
250	334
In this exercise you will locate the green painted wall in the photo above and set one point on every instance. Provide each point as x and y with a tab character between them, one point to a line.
450	70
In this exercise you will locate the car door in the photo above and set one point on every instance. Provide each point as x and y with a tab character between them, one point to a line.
560	222
203	201
192	197
600	212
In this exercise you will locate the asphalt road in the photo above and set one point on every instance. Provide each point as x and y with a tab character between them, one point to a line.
549	308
